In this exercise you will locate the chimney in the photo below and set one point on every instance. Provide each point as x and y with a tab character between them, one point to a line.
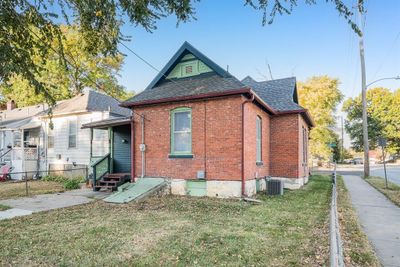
11	105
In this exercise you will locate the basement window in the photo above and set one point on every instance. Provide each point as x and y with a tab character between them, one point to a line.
181	131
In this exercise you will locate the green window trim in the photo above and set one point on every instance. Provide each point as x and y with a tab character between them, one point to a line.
172	133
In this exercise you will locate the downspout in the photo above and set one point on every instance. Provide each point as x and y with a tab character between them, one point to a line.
143	147
132	149
243	178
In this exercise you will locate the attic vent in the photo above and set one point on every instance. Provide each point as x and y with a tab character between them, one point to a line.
188	69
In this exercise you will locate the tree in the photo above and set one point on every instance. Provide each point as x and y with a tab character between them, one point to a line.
63	82
383	118
29	29
321	96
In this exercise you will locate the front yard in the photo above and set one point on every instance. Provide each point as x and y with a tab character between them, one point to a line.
35	187
283	231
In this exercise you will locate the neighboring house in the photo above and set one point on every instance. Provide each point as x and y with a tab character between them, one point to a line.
20	130
63	146
210	133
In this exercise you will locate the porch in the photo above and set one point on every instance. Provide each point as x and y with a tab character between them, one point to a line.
114	168
20	147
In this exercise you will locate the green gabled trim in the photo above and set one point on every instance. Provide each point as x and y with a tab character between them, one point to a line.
183	50
197	67
172	139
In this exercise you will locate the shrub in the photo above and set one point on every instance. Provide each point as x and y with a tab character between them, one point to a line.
69	183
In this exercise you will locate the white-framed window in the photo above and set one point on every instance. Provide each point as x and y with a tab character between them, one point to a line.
181	131
50	137
17	139
258	140
72	132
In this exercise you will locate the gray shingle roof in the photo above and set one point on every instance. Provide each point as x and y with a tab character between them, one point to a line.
107	123
280	94
90	101
191	86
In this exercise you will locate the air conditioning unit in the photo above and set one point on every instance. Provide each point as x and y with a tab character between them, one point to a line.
274	187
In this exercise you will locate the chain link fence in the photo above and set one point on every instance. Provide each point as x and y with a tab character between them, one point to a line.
336	249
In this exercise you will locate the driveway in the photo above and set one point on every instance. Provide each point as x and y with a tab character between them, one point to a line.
28	205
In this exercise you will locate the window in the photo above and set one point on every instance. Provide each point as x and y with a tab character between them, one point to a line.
50	138
305	146
258	140
181	131
17	139
72	127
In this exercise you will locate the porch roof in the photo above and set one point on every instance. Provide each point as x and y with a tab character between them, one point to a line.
107	123
22	124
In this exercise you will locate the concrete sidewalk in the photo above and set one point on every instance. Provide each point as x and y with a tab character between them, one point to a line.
27	205
379	217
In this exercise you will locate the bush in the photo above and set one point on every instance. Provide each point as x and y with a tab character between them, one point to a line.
69	183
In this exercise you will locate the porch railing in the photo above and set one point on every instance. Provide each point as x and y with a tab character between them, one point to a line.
101	167
2	156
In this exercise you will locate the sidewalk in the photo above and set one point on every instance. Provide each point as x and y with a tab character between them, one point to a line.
379	217
28	205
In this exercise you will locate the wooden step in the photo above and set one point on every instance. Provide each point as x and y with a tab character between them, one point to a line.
107	178
106	187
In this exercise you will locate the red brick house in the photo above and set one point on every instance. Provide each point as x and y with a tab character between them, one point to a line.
215	135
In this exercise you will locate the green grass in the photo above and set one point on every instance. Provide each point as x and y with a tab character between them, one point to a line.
357	249
392	192
289	230
17	189
4	207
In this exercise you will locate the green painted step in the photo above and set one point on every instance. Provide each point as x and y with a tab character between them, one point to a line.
135	191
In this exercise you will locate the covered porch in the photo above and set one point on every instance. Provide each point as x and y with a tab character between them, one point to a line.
115	167
21	147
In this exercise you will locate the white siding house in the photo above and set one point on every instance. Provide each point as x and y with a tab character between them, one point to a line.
63	146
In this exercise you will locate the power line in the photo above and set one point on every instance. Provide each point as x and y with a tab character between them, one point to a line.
389	51
68	62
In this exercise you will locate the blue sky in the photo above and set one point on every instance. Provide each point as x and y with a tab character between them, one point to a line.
314	40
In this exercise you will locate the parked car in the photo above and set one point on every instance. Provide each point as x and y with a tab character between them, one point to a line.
356	161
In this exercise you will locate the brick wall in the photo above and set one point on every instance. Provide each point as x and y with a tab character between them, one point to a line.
216	140
251	170
285	146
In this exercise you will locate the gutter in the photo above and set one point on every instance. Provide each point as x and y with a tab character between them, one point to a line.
243	90
132	149
243	178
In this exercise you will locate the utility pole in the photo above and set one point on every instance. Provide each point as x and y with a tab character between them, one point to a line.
364	90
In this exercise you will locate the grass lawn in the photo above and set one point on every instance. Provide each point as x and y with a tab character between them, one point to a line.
392	192
4	207
357	249
17	189
289	230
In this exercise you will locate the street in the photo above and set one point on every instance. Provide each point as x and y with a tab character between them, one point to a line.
392	170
